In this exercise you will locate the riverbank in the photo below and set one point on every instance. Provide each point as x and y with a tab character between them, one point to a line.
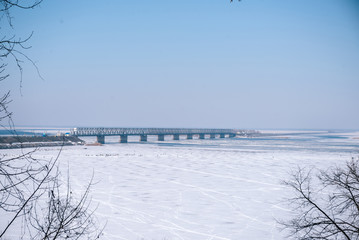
7	142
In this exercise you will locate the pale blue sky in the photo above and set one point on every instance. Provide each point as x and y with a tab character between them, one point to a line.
249	64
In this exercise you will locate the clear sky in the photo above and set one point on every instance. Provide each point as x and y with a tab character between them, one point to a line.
190	63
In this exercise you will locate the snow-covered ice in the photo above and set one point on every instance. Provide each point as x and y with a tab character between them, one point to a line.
197	189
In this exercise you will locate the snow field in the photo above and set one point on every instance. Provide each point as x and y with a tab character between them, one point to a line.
209	189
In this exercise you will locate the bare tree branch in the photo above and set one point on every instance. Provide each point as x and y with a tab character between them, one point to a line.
329	211
24	179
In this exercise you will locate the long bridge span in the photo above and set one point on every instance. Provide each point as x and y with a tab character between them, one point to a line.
100	133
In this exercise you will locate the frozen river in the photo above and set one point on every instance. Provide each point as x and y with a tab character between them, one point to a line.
197	189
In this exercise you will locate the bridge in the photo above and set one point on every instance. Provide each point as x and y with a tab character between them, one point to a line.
100	133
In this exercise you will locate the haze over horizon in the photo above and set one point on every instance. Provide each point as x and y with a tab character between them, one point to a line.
251	64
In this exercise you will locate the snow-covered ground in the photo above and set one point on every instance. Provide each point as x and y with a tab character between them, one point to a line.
197	189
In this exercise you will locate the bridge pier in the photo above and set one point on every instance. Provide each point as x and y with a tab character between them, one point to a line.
189	136
101	139
201	136
123	138
232	135
222	135
143	138
176	136
212	135
161	137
